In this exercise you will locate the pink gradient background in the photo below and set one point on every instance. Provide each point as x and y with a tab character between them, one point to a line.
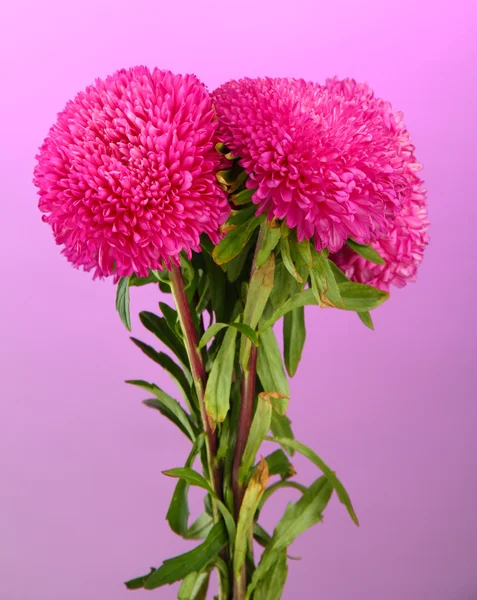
82	499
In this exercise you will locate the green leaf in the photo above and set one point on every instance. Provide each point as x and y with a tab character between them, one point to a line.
287	259
300	255
271	588
324	468
338	273
297	518
252	496
200	528
281	428
178	513
278	464
235	241
360	297
284	286
159	327
270	240
258	430
261	536
303	514
303	298
366	251
294	335
217	391
169	407
323	282
194	478
261	284
278	486
170	315
177	568
135	281
270	369
194	586
217	284
366	319
216	327
239	217
138	582
122	302
243	197
182	379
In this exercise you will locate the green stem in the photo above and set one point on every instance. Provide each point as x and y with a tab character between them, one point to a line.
197	368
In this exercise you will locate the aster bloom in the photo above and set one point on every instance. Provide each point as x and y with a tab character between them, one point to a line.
403	247
126	176
321	157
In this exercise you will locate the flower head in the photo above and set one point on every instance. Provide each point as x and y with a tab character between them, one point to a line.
403	247
126	176
321	157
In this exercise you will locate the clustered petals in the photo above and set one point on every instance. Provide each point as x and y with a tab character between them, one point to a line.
321	157
403	247
126	176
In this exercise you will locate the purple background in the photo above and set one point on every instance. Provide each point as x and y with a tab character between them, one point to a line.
82	500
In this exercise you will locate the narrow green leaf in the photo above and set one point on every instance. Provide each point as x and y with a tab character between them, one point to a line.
170	315
217	391
324	468
270	369
179	567
281	428
135	281
338	273
214	329
200	528
278	464
182	379
283	483
367	252
160	328
239	217
271	588
360	297
261	536
270	240
287	259
284	286
261	284
297	518
169	407
235	241
194	586
252	496
138	582
260	427
178	513
294	335
243	197
194	478
323	282
366	319
301	256
303	298
122	302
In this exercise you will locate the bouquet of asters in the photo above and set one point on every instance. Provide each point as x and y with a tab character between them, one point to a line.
242	206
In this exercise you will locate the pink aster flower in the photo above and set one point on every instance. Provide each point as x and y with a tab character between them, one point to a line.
403	247
321	157
126	176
